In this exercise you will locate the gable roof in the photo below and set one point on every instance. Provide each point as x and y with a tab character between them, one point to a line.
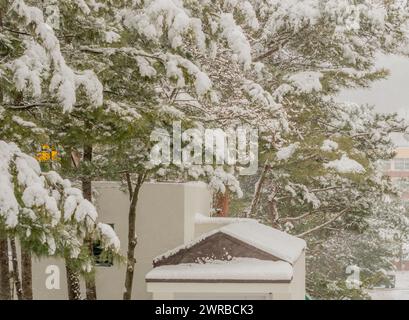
275	242
264	240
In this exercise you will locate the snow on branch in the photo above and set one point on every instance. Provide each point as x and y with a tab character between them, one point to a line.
30	199
287	152
160	16
345	165
236	39
174	65
38	58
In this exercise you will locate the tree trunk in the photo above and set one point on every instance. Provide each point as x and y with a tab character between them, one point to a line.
4	255
132	240
91	289
274	213
257	191
401	257
73	283
222	203
26	275
3	8
5	289
16	271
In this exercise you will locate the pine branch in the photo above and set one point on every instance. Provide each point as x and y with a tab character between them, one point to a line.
324	224
26	106
288	219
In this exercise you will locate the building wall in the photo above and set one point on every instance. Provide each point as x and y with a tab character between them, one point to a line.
203	228
402	265
295	290
402	152
165	219
398	167
220	290
298	282
198	199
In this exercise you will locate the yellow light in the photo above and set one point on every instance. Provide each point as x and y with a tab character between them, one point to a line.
47	154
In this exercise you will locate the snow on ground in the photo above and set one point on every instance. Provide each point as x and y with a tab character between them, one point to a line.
400	292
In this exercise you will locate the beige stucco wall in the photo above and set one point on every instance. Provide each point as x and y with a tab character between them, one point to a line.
198	199
165	219
298	282
202	228
228	291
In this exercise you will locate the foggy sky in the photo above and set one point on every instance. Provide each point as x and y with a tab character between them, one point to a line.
389	95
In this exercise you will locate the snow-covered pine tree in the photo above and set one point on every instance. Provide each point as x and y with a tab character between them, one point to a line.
323	175
374	244
157	76
47	215
219	63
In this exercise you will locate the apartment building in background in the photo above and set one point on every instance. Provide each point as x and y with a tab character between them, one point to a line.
398	167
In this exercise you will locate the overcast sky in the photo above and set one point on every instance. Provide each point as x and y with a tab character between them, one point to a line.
389	95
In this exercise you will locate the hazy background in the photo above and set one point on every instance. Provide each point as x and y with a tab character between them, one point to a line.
389	95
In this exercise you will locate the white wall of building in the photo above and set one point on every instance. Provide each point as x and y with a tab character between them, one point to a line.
220	290
298	282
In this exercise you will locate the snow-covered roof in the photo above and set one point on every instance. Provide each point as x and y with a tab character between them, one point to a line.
202	219
275	242
272	241
195	241
237	269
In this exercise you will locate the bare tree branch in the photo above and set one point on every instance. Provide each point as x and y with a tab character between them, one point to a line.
324	224
288	219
